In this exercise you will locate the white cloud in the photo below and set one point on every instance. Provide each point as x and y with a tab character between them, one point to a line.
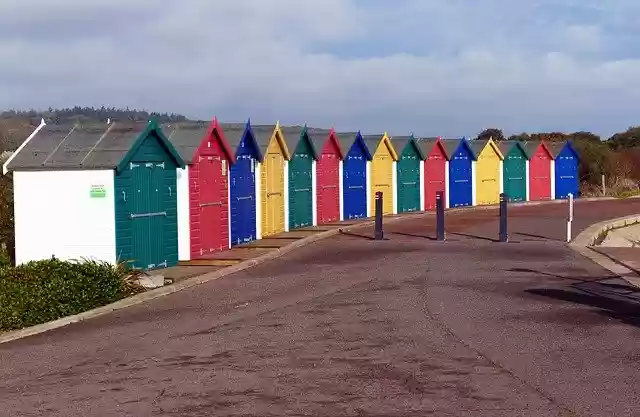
447	67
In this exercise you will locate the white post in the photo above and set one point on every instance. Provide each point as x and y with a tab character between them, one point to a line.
604	186
570	218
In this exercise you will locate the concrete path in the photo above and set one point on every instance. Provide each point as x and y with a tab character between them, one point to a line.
351	326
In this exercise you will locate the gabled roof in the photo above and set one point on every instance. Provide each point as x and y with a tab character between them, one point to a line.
292	135
531	147
319	138
451	146
263	135
373	142
89	146
235	132
188	137
478	145
401	142
556	148
426	145
348	139
506	147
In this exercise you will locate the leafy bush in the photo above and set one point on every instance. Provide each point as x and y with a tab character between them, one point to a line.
42	291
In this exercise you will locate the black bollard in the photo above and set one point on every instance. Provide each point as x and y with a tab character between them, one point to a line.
440	216
503	234
378	233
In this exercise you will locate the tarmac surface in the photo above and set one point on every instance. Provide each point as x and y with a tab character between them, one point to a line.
354	327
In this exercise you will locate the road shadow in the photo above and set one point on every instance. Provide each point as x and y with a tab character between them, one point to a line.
487	239
537	236
413	235
358	235
619	308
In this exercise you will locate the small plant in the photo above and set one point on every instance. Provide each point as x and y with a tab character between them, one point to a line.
41	291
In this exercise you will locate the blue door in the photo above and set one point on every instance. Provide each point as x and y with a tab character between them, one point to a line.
460	186
566	175
243	199
354	183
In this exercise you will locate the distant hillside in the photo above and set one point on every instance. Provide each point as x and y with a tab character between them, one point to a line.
17	125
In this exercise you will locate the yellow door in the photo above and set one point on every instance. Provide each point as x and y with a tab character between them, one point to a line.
382	180
273	192
488	177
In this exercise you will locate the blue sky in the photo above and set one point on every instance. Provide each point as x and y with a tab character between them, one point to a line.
432	67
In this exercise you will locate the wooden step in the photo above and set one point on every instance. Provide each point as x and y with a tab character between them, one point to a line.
210	262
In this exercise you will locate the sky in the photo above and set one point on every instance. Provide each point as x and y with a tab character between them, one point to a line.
428	67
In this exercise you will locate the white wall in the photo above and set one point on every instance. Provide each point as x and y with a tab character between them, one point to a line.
341	189
501	176
553	179
55	215
184	227
369	208
421	185
258	169
314	196
286	196
446	184
394	187
474	189
526	171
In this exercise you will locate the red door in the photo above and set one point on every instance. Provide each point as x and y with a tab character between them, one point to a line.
434	178
328	188
213	204
540	175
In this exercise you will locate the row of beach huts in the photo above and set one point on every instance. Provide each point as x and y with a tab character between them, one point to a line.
155	194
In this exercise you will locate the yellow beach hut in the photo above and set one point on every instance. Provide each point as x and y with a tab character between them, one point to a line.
488	175
383	172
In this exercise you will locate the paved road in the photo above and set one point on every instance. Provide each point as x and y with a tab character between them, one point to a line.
350	326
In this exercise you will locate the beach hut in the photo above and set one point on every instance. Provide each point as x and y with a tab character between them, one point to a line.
244	182
461	172
435	171
109	191
274	179
383	171
355	176
539	170
514	170
565	172
488	175
329	155
203	187
301	176
408	174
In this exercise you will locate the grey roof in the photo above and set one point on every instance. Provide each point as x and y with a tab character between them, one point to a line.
477	145
372	142
347	140
233	133
263	134
95	146
319	138
292	136
531	146
426	145
186	137
400	143
555	147
450	146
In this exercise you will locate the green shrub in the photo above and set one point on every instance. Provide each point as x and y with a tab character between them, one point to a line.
42	291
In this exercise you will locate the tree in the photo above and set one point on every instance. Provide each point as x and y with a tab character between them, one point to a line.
585	136
627	139
491	132
523	137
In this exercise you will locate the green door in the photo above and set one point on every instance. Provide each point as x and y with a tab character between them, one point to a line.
301	187
408	180
148	215
146	208
514	175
